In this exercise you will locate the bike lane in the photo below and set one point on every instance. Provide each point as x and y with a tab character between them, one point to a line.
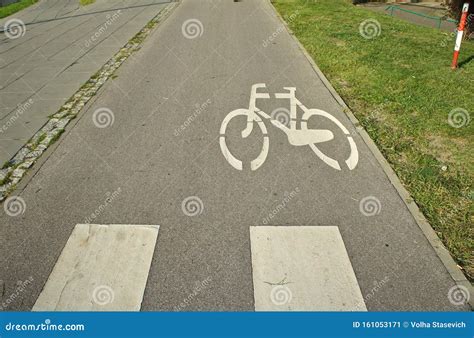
163	153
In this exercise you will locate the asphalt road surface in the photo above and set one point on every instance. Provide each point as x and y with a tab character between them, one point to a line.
162	158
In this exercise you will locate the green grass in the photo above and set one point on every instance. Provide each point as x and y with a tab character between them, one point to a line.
401	88
13	8
86	2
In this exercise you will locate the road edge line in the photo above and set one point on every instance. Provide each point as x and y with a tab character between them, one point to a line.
443	254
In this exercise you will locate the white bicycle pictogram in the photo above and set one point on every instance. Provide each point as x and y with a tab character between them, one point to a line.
296	137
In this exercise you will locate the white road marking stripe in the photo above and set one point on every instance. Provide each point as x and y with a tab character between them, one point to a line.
301	268
101	268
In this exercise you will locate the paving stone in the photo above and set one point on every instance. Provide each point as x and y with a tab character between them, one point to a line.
53	81
3	174
18	172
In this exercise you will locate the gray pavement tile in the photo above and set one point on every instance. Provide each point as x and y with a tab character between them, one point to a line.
43	108
20	128
11	100
53	90
8	148
58	40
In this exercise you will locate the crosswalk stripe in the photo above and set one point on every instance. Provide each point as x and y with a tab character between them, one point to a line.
302	268
101	268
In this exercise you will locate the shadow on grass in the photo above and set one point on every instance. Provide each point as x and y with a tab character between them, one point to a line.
466	61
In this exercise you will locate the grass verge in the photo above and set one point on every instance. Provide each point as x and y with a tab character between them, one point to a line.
400	86
13	8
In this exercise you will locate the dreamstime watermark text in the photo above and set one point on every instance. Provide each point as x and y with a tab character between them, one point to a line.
200	108
102	28
110	197
46	326
198	288
289	19
376	288
282	205
20	287
20	110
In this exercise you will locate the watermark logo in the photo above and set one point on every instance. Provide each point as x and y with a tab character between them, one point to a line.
14	206
458	118
281	295
370	206
192	29
282	115
14	29
459	295
370	29
103	295
192	206
103	117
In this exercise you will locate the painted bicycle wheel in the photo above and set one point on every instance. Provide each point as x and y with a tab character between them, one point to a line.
233	161
352	160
